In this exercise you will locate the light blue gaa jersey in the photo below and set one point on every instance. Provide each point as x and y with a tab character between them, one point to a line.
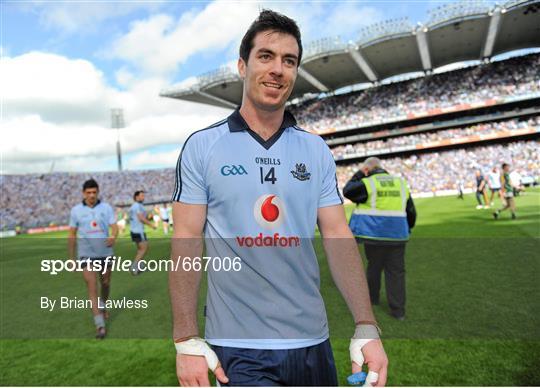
262	199
135	225
92	225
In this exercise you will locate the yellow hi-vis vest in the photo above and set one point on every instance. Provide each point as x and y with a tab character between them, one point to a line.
383	216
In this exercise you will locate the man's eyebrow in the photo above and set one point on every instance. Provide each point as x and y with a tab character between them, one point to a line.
268	51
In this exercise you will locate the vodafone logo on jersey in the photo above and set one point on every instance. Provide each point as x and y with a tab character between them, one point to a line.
269	211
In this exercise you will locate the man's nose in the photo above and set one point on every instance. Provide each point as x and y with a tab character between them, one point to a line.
277	67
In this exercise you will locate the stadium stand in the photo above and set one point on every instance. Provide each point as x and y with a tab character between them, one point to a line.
479	84
437	171
53	195
486	131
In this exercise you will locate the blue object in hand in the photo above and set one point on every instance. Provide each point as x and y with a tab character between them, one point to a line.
357	378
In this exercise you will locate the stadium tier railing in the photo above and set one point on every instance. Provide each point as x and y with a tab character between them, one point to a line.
427	113
470	139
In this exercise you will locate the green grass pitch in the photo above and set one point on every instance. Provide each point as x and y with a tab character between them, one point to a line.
473	302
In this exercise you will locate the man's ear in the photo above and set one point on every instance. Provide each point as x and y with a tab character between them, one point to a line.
241	68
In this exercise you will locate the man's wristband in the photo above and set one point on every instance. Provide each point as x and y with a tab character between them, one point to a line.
367	331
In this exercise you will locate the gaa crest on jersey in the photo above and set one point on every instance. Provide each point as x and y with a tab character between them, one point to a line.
301	172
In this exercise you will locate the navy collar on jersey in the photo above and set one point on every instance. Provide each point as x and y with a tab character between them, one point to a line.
97	203
237	124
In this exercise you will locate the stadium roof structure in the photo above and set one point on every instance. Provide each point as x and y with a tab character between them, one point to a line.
455	32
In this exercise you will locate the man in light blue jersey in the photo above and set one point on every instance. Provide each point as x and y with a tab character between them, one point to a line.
256	186
89	236
137	220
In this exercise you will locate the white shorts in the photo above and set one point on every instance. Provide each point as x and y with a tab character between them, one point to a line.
121	223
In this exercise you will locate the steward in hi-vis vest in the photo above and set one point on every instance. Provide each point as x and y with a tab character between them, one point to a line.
384	215
382	220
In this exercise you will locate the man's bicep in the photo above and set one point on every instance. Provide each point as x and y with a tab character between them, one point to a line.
189	219
333	222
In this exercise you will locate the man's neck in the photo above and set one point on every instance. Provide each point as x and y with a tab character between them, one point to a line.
90	205
263	123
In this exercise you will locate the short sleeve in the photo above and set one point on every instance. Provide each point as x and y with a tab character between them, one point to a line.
190	185
73	219
330	195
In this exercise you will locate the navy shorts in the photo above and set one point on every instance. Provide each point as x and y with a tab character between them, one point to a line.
311	366
138	237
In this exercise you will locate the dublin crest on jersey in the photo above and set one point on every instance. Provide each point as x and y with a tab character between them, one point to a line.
301	172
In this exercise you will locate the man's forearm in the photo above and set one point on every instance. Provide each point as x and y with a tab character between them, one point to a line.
184	287
72	241
348	274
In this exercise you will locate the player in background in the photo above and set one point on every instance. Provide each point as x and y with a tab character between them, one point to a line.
460	188
494	183
137	220
515	181
164	215
156	216
89	236
257	174
481	186
507	192
170	213
121	220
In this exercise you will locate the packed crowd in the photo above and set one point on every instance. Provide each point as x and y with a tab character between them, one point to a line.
44	199
41	200
445	170
395	143
512	77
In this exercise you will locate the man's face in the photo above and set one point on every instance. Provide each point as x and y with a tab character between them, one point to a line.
140	197
90	196
506	168
271	70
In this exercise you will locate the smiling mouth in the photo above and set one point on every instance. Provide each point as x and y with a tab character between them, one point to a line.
272	85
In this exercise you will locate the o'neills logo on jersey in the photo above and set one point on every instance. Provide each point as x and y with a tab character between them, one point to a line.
269	212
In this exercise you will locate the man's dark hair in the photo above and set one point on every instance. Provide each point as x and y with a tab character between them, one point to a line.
269	20
90	184
137	193
504	165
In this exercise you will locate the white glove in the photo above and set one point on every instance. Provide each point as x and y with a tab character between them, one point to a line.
198	347
363	335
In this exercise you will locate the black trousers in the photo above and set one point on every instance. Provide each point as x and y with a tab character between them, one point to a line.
391	259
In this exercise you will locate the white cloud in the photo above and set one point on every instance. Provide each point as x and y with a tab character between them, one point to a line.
60	89
56	108
169	42
124	77
84	17
146	158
